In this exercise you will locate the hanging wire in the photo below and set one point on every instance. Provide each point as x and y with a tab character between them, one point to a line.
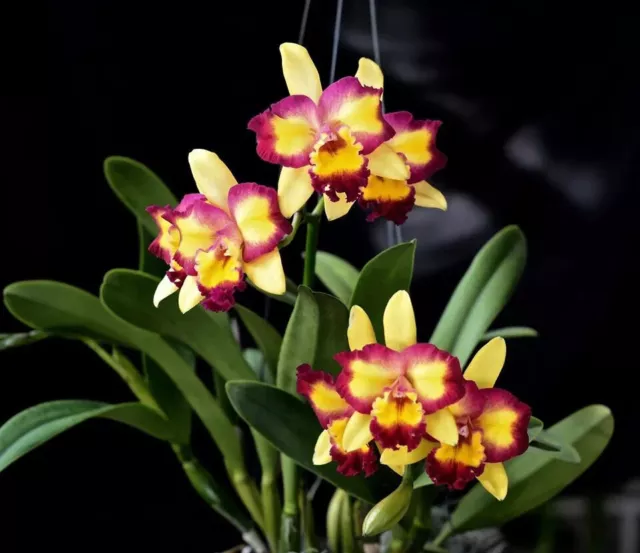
336	40
394	233
303	23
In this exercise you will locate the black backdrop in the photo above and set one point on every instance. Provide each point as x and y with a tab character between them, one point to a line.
540	126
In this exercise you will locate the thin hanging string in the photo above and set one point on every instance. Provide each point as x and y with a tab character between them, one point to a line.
336	40
394	232
303	23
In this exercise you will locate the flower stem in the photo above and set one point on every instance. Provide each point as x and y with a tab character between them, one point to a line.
290	522
295	223
313	230
421	524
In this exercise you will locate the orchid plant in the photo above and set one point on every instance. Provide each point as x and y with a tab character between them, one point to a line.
346	392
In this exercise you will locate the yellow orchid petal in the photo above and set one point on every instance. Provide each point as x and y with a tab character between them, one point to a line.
267	273
494	479
300	73
369	73
360	331
357	433
385	162
294	189
486	365
322	450
401	457
442	426
335	210
399	322
429	196
212	177
189	295
164	289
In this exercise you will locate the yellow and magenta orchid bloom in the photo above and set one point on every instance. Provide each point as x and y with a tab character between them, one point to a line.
492	426
328	141
397	391
333	412
390	179
211	240
415	141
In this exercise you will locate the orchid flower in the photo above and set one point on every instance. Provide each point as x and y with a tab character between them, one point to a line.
390	179
333	412
398	391
328	141
492	426
211	240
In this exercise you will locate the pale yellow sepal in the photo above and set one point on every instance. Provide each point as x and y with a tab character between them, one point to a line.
357	433
212	177
399	322
164	289
360	332
189	295
442	426
335	210
385	162
401	457
267	273
494	479
300	73
294	189
322	450
429	196
486	365
369	73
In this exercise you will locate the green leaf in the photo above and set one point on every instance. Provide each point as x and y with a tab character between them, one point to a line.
561	450
537	476
266	337
167	395
37	425
63	309
333	321
511	332
54	306
137	187
129	295
300	339
382	277
338	275
21	339
482	293
147	262
293	429
535	427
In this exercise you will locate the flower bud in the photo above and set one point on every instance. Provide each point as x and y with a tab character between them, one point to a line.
388	512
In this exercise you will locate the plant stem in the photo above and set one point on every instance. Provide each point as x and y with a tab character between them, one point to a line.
295	223
445	532
290	523
421	524
248	493
127	372
271	508
313	230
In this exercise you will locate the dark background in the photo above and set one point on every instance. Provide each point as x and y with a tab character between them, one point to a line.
539	104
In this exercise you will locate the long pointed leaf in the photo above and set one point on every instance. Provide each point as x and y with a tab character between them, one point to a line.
382	277
129	295
482	293
338	275
137	187
266	337
37	425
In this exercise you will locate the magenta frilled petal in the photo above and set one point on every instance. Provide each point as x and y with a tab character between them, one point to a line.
286	132
348	102
257	215
416	141
166	243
